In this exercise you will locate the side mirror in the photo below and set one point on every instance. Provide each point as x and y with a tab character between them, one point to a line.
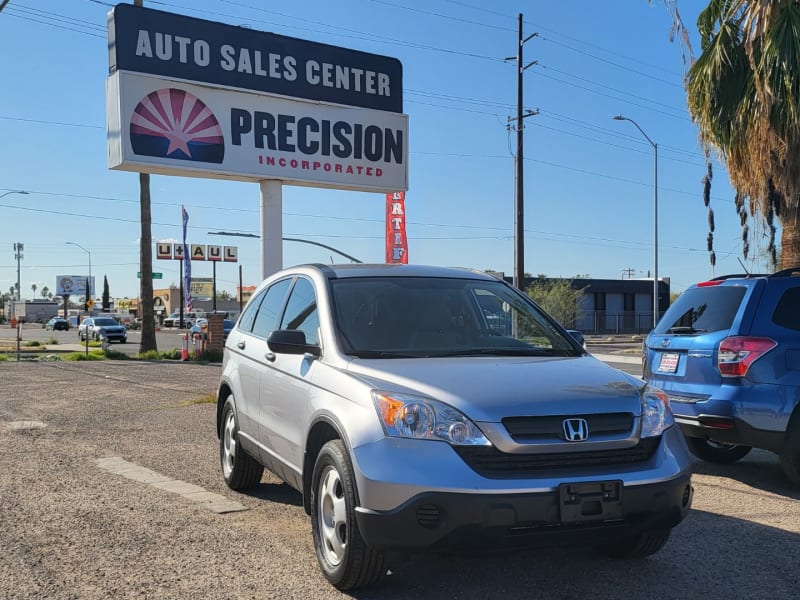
578	337
291	341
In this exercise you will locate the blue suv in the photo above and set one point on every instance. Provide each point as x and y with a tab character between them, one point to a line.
727	353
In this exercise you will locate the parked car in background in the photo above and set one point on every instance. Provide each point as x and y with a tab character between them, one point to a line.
189	318
727	352
57	324
391	398
227	326
95	328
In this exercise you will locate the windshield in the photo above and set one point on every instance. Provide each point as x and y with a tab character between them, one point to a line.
105	322
702	310
392	317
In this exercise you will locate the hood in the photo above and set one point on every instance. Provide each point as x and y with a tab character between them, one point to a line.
491	388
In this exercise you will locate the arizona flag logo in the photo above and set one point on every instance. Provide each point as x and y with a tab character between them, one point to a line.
172	123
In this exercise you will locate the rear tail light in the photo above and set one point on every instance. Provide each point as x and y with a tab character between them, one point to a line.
736	354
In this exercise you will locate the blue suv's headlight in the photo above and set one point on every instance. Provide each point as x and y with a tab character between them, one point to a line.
418	417
656	415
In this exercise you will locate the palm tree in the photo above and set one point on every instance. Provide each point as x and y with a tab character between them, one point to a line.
34	287
743	93
45	291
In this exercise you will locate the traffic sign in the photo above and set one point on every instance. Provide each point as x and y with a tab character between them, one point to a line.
155	275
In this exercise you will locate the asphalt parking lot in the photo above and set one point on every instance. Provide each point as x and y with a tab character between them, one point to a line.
110	488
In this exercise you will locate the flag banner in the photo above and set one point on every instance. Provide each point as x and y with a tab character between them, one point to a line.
396	240
187	263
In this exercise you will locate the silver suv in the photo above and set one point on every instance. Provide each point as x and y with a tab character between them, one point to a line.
428	408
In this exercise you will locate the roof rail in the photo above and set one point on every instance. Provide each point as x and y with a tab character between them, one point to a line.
792	272
739	276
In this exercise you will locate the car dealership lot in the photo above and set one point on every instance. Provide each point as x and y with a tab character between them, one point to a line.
73	529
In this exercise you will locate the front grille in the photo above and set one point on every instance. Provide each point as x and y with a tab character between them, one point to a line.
531	429
490	462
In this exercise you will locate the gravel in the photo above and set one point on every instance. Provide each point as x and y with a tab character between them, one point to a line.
71	529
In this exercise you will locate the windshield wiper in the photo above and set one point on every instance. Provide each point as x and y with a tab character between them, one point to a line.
492	352
380	354
685	329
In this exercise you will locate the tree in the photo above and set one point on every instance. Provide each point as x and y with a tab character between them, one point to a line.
106	298
742	92
34	287
224	295
45	292
558	298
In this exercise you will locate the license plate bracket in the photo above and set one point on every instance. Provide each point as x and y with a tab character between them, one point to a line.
668	363
590	501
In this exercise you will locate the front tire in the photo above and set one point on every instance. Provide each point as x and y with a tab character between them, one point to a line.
638	546
239	470
345	559
717	452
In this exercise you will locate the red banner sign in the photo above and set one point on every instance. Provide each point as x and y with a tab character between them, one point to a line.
396	240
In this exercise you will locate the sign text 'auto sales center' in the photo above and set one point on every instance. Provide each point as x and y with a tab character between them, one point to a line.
192	97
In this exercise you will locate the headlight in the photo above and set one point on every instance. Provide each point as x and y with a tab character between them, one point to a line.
656	415
417	417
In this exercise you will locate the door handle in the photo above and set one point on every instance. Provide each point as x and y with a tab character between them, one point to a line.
240	345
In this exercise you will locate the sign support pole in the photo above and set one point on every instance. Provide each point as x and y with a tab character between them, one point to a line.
271	226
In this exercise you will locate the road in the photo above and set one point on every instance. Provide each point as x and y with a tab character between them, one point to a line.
80	518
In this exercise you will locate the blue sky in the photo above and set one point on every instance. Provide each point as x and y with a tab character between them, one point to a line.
588	178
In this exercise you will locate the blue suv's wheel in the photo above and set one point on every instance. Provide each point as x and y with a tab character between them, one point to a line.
717	452
790	454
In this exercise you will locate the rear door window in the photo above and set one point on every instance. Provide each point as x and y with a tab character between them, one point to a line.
703	310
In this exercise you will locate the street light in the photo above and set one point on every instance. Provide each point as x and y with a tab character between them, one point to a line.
89	279
655	215
23	192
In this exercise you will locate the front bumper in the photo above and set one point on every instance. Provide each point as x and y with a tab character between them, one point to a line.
438	520
415	494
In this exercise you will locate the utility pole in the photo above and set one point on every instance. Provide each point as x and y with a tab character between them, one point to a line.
148	340
18	248
519	203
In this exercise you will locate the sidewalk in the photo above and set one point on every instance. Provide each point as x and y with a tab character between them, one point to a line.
618	358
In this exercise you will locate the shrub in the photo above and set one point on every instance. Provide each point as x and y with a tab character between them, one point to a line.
94	355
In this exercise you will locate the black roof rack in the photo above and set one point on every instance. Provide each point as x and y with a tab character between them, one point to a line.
740	276
793	272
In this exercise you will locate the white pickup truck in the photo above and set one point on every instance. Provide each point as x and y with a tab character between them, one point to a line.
189	318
